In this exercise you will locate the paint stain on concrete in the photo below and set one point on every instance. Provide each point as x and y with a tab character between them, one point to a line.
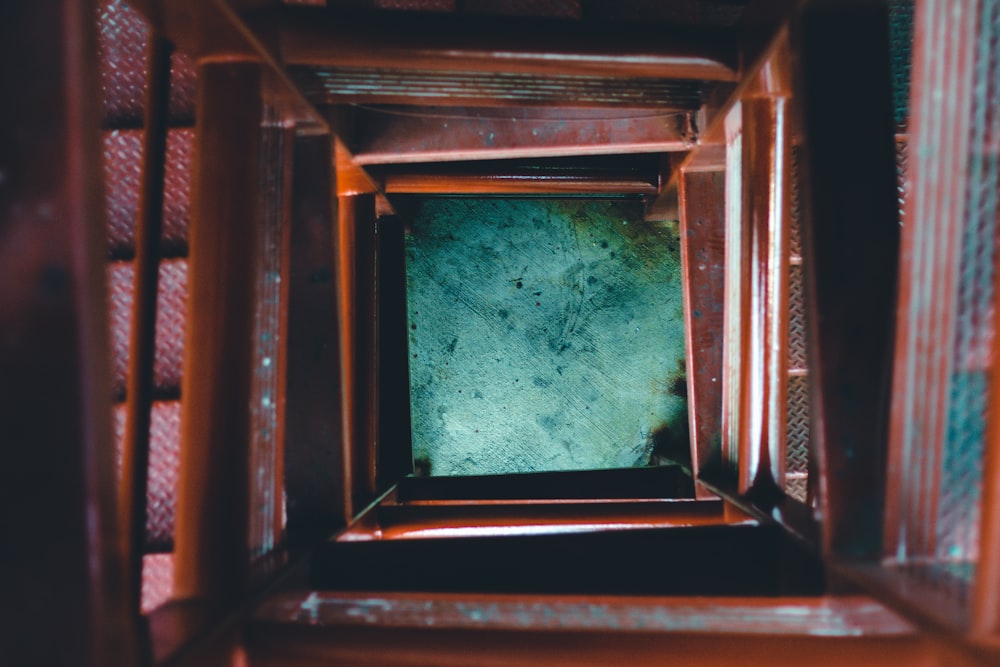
544	335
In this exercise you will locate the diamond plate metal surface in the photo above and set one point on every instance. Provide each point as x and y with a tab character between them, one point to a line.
171	305
157	580
797	457
797	399
122	167
902	166
796	319
164	462
123	44
794	223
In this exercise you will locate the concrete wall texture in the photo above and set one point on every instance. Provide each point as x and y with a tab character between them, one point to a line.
545	334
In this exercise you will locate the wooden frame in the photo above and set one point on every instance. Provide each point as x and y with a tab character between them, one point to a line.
851	327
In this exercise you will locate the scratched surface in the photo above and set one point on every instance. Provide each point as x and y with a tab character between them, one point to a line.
544	335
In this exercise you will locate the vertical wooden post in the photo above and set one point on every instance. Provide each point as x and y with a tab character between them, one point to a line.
850	236
211	543
395	450
765	160
315	469
355	254
703	234
61	593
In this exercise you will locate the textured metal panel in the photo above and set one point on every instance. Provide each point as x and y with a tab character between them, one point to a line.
164	460
798	424
796	320
797	399
947	335
123	45
544	335
157	580
334	85
900	50
122	168
902	168
171	305
265	487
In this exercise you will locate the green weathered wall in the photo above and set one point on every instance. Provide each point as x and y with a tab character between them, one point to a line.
544	335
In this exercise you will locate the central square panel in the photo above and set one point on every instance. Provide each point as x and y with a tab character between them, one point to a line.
544	334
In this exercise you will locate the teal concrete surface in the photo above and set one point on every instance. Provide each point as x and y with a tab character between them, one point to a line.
544	334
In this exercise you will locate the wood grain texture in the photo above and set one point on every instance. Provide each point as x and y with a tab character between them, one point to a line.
211	542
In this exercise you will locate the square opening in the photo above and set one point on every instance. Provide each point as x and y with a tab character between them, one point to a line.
544	334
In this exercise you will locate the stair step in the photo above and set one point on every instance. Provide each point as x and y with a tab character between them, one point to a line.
698	560
669	481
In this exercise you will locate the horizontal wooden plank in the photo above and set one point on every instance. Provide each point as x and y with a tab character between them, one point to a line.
312	36
699	560
434	134
782	616
429	520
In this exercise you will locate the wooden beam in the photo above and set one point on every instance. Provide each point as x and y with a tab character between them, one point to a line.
217	31
851	243
703	261
491	44
436	134
314	473
427	521
627	176
62	600
211	540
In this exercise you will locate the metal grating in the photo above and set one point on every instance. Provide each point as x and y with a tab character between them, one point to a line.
122	169
164	463
333	85
265	490
171	305
947	336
